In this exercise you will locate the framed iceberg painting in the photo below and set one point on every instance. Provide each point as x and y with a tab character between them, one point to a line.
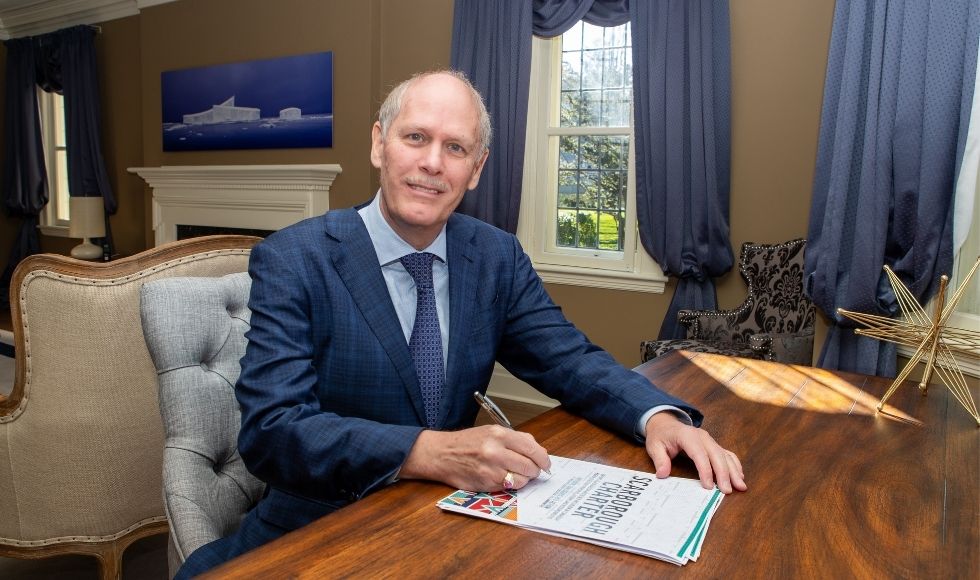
260	104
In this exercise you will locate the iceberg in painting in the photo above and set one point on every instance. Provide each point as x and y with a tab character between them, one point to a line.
262	104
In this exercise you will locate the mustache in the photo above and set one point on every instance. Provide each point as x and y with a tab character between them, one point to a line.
428	182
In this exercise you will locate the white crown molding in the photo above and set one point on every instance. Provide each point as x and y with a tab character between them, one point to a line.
32	17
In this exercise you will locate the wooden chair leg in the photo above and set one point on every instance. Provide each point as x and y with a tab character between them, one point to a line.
110	561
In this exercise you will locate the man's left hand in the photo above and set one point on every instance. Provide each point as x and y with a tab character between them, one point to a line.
666	436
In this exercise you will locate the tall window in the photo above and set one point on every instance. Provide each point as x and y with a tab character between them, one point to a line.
593	134
578	213
54	218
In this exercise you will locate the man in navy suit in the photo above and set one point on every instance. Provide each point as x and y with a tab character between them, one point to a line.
334	404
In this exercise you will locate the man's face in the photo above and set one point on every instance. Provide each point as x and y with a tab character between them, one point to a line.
430	157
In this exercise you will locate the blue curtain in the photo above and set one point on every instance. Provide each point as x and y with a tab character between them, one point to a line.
62	62
70	68
492	45
682	117
80	81
895	115
681	70
25	184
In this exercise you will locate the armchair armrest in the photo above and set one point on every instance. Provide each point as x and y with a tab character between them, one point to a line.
790	348
762	345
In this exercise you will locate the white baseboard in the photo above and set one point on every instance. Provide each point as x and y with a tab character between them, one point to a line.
506	386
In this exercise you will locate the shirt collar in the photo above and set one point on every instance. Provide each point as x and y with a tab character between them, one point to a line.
387	244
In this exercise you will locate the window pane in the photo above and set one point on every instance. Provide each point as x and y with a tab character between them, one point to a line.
589	154
592	108
596	83
592	179
616	36
591	36
587	231
567	190
616	108
571	109
613	67
568	153
61	185
59	120
567	231
628	70
572	40
592	69
610	230
571	70
588	195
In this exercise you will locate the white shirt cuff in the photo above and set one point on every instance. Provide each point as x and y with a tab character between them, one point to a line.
641	426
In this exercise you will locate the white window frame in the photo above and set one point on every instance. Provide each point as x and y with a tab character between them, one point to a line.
51	224
632	269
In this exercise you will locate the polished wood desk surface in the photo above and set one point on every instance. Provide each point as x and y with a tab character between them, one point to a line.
835	491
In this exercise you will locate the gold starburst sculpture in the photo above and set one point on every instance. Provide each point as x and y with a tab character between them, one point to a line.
933	339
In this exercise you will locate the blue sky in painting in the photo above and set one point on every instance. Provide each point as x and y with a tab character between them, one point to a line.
304	81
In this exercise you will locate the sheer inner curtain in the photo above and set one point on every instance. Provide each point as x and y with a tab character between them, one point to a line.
681	84
897	99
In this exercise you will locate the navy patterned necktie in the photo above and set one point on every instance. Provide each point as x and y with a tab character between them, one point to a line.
426	341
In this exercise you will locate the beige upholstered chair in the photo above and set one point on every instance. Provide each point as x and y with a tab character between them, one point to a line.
81	441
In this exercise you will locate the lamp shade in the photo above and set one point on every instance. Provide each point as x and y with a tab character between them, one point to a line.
87	217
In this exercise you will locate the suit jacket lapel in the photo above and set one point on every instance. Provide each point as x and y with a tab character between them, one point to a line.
464	268
357	264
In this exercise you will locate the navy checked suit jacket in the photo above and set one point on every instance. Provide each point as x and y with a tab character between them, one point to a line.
330	402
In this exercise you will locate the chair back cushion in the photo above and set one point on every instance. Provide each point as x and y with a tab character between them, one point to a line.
195	332
774	274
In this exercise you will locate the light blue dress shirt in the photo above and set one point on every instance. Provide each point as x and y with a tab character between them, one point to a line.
390	248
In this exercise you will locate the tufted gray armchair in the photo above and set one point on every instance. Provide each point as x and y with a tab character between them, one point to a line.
774	322
195	332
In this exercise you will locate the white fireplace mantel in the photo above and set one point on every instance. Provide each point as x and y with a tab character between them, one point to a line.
263	197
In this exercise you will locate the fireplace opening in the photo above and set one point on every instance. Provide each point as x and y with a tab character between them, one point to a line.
184	231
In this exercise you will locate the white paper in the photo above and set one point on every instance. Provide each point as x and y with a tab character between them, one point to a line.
609	506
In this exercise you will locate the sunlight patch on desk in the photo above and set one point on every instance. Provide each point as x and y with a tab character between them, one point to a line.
791	386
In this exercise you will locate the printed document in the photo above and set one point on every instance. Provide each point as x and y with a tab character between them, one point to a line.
617	508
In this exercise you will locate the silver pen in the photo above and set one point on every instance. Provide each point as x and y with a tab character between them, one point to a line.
496	414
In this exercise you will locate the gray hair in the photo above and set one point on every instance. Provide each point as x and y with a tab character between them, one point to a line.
392	105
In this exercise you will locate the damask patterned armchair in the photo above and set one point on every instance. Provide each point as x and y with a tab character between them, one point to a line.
775	322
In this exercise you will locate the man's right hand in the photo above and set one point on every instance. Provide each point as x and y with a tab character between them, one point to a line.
476	459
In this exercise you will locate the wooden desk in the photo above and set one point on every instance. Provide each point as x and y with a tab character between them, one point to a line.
835	491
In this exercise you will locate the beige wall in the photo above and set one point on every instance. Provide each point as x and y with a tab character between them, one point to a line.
779	50
119	66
